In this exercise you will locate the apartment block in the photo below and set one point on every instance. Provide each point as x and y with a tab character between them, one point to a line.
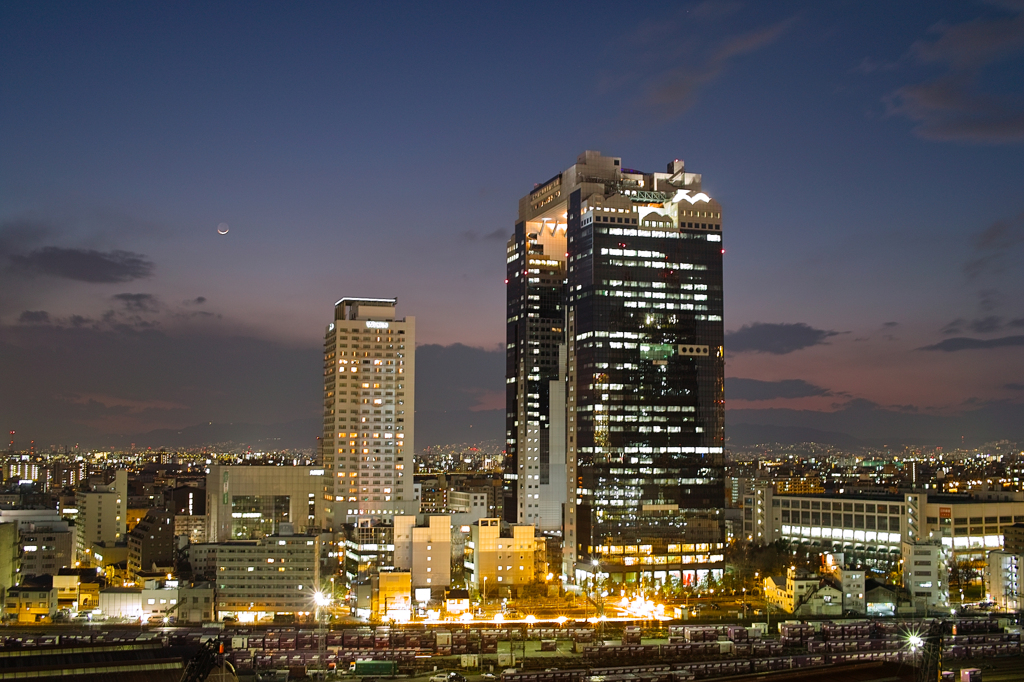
151	544
497	559
424	550
369	409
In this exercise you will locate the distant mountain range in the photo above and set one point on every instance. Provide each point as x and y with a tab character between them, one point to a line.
298	434
432	428
857	424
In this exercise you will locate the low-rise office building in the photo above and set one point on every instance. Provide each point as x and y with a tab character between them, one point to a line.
368	546
196	602
257	579
46	550
250	502
870	528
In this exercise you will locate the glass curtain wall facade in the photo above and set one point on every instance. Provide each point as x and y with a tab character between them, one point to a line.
646	364
535	442
615	377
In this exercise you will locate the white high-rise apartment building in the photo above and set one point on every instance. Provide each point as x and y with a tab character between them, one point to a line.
369	389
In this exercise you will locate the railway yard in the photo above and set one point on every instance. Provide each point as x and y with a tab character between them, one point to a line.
579	652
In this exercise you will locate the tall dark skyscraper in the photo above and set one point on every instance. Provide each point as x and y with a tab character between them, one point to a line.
642	368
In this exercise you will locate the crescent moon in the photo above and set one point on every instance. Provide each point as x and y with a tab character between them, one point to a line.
222	228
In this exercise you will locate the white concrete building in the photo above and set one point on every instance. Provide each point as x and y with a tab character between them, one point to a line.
1004	580
926	574
871	529
425	551
369	405
101	516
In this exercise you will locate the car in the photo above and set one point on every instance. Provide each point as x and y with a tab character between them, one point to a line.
443	677
488	677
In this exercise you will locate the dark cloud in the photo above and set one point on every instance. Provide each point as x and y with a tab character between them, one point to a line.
755	389
140	303
891	324
17	236
669	94
778	339
84	265
459	377
954	327
982	325
1014	387
34	317
987	325
991	247
198	300
988	299
86	380
955	105
177	378
964	343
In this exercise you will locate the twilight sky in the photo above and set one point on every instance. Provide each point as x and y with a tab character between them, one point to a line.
869	157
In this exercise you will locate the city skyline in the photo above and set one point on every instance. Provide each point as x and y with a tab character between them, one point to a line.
868	156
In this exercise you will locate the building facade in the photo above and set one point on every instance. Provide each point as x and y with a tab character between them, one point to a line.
1004	579
871	528
803	594
101	518
31	603
617	374
926	574
246	502
369	405
47	548
151	543
535	364
496	560
645	362
424	550
257	579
